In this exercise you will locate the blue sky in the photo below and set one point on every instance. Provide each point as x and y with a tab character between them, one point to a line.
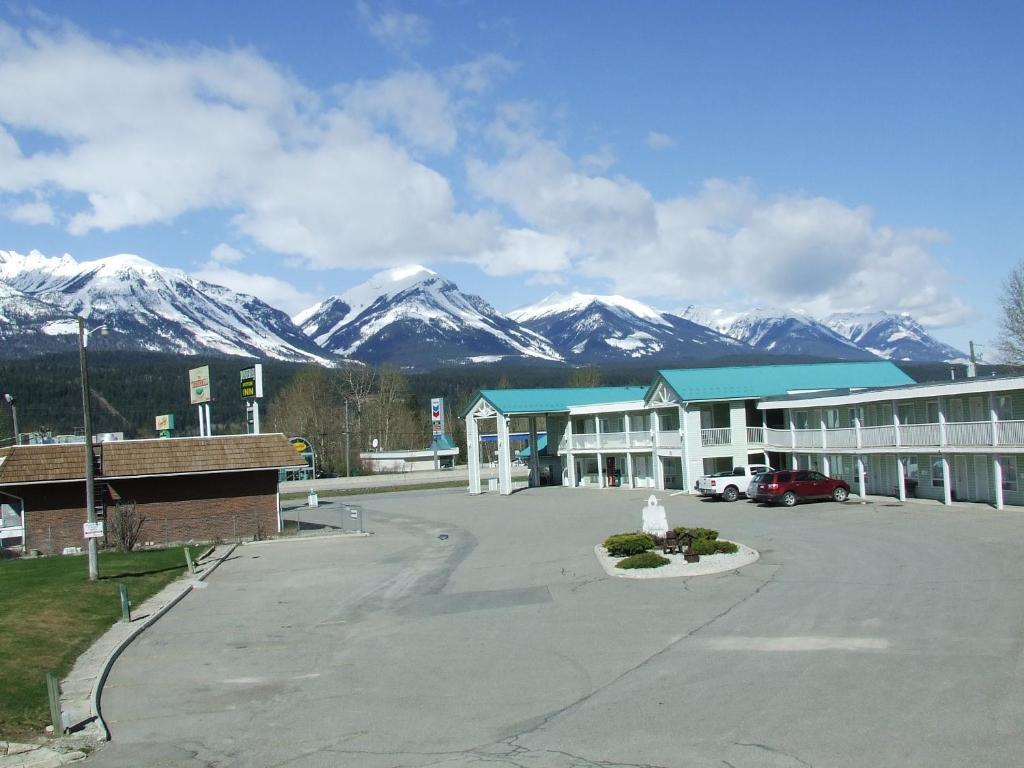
816	156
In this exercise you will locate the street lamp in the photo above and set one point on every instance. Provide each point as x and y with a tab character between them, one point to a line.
14	417
90	500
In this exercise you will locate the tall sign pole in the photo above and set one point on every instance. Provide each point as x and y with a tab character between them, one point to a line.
199	394
436	425
252	391
90	491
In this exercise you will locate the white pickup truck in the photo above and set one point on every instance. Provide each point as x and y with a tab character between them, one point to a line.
732	484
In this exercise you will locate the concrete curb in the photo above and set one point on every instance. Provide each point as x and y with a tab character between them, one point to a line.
108	663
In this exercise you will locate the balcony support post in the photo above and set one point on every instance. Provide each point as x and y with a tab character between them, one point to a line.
994	418
861	479
947	492
897	437
571	455
997	478
942	426
901	482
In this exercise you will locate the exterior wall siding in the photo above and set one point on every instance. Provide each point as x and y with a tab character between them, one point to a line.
182	508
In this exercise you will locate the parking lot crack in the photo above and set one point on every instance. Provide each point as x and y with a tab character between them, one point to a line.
774	751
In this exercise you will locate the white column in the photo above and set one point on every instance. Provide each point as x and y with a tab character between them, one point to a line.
896	425
209	420
504	457
824	466
997	475
684	444
792	429
656	468
570	456
256	417
600	470
947	492
824	431
629	469
861	480
942	427
473	453
626	426
856	427
901	485
202	421
793	463
534	454
597	430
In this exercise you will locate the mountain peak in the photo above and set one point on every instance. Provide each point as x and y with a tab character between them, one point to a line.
557	304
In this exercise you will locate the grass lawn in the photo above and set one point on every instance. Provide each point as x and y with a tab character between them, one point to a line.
377	489
52	613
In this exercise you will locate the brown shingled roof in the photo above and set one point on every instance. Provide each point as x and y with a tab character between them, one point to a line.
132	458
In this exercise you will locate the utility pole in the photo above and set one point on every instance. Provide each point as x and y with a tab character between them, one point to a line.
348	468
90	501
14	417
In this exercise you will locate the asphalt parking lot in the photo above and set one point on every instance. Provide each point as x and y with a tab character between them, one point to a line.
871	634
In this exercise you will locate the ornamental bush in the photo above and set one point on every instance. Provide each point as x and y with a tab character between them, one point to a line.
697	533
626	544
643	560
712	547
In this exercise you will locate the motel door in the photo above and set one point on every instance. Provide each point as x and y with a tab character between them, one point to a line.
961	484
983	490
609	466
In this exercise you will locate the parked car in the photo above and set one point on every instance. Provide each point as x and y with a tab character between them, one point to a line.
752	488
729	485
787	487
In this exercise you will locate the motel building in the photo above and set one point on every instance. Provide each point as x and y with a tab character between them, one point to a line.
867	422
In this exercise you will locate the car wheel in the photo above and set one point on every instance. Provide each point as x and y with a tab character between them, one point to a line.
730	493
789	499
840	494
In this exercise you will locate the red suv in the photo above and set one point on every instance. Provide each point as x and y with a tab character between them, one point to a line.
790	486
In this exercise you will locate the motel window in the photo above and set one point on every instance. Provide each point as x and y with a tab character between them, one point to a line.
1009	465
933	411
910	470
905	411
611	424
1004	407
937	472
801	419
668	421
831	418
854	415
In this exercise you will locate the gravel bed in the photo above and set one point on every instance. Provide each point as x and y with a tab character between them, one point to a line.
679	567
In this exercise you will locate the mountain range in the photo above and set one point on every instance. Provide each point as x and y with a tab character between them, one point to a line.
414	318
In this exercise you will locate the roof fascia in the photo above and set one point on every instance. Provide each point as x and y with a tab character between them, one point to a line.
905	392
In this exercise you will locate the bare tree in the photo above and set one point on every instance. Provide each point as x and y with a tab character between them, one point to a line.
1011	341
587	376
310	407
126	525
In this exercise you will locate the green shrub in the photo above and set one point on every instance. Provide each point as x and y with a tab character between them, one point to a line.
643	560
712	547
626	544
698	533
703	547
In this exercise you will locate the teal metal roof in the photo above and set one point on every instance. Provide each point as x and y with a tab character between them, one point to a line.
555	400
741	382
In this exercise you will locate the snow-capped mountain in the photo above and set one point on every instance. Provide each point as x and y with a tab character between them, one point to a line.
24	321
411	316
589	328
892	336
779	332
152	308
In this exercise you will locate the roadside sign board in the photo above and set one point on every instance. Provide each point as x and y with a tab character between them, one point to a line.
93	530
199	385
165	422
252	382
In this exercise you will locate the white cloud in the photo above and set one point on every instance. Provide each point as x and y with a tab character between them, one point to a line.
276	292
726	244
146	134
37	212
599	161
226	254
413	102
395	30
478	76
656	140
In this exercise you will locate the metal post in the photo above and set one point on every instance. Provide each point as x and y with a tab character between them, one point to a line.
53	693
256	417
209	420
202	424
188	561
348	468
90	501
126	606
14	416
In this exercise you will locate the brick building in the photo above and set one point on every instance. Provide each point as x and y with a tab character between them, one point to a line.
193	488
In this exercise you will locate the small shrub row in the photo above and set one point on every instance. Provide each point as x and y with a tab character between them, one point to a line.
697	533
643	560
712	547
626	544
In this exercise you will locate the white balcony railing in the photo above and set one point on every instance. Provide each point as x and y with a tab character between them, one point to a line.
585	442
807	438
777	438
843	437
614	439
720	436
877	437
923	434
640	440
755	435
1011	432
669	439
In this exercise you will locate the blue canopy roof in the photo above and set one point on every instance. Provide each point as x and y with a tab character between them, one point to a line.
754	381
555	399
